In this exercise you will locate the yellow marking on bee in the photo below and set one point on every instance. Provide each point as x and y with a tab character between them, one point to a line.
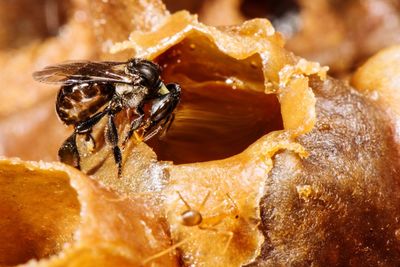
163	90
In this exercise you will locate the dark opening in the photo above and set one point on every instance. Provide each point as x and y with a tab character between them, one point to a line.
189	5
217	122
269	8
284	14
215	118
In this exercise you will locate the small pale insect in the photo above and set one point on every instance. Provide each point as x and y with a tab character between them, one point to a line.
192	217
92	90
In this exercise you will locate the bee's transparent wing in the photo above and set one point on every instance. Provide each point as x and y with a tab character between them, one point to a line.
76	72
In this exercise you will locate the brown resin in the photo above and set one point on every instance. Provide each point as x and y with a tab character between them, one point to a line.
350	214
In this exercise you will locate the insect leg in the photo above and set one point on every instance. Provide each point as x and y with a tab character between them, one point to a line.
162	111
167	124
170	121
152	133
161	128
68	152
87	125
162	253
90	140
204	200
184	201
228	234
112	137
136	123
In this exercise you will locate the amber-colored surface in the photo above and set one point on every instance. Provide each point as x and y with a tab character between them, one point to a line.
126	15
39	212
26	133
379	79
256	125
49	208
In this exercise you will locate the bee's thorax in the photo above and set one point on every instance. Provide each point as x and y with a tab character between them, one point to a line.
122	88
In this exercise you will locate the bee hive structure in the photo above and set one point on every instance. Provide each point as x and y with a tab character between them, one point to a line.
269	162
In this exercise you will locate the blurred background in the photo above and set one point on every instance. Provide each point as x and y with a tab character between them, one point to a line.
337	33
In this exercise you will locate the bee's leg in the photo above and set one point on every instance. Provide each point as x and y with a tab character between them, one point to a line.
86	126
90	140
152	134
136	123
163	127
161	113
112	138
168	123
68	152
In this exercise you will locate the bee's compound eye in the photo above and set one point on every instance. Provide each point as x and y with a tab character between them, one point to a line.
149	72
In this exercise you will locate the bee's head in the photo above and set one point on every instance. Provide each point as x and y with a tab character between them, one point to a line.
147	70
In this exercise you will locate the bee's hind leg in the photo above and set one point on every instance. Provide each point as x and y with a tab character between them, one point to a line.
162	128
112	138
68	152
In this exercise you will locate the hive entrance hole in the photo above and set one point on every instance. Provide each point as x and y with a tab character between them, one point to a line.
270	9
217	123
215	119
284	14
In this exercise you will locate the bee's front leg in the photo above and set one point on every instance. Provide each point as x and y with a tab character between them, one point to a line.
162	111
163	127
136	123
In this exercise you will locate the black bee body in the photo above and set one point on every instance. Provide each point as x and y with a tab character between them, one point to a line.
92	90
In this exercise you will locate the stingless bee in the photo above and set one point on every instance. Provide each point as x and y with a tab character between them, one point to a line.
91	90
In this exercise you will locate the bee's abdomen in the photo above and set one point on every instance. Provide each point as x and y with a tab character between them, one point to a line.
76	103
